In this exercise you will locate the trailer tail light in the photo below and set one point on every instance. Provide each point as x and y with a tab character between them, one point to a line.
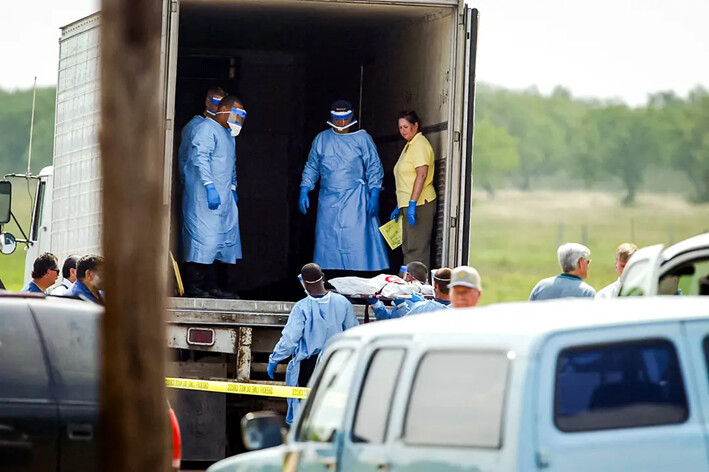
200	336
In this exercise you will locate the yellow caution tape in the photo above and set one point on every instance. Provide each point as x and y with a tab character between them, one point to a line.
281	391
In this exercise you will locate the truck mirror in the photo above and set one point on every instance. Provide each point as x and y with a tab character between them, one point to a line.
5	200
262	429
8	243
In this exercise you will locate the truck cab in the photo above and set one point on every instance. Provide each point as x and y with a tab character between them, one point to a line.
681	269
559	385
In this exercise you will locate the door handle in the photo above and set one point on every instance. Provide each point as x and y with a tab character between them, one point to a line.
80	431
329	463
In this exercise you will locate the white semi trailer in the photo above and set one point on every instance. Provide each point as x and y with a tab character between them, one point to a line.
287	60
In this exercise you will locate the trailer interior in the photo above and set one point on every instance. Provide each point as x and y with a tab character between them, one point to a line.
288	61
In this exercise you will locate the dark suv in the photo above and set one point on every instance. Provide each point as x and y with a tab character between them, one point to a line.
49	378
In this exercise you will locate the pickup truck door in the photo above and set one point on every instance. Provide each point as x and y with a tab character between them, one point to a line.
697	335
71	338
28	412
320	429
366	445
641	274
619	399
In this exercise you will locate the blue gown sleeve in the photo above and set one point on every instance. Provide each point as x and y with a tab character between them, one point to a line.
311	172
350	320
372	164
400	310
381	312
203	145
233	176
290	336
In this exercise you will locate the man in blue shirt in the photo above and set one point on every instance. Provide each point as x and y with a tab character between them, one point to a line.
88	283
574	259
44	273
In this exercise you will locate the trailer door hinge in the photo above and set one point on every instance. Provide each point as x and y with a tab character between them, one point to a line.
173	6
454	221
168	124
456	136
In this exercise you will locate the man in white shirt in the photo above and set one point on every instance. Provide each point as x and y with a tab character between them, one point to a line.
622	255
69	276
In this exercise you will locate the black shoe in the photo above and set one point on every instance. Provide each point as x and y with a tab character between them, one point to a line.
219	293
196	292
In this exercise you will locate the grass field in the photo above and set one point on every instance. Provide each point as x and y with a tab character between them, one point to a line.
515	235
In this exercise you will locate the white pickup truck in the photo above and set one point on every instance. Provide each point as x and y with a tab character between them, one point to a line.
563	385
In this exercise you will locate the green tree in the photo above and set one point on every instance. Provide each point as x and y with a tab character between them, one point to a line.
495	154
15	117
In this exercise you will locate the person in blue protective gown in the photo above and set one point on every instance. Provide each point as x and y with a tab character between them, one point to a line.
347	233
311	323
416	273
211	104
210	229
442	301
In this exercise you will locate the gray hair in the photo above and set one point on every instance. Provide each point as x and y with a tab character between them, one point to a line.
569	255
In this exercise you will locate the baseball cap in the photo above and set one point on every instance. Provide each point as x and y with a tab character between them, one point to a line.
465	276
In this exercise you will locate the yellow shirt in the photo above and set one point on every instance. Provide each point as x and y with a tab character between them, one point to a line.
417	152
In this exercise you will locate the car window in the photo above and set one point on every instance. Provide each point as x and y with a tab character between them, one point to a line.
23	373
324	412
634	279
619	385
457	399
71	337
376	397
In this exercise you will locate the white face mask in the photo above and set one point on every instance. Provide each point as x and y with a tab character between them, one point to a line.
341	128
235	128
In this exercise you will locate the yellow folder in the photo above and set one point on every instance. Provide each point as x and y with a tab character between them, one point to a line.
391	230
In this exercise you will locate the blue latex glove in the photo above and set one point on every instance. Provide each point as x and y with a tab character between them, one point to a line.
236	197
395	214
399	301
417	297
213	200
411	213
373	202
372	301
303	200
272	366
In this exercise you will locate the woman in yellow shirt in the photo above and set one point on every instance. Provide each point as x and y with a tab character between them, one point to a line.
415	194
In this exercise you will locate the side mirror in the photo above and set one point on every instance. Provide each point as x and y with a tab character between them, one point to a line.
8	243
5	201
262	429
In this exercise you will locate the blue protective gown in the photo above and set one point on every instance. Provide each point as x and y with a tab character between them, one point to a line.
348	166
209	235
428	306
311	323
186	144
381	312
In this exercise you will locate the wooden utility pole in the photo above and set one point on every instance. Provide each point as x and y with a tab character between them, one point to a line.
135	417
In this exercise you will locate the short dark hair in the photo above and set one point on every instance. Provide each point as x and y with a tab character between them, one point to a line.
312	273
229	101
418	270
410	116
43	264
443	277
69	263
90	262
216	90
